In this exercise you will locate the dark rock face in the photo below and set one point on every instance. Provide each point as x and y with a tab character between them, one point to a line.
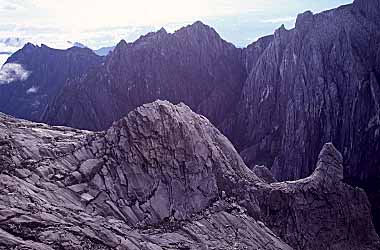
165	178
49	69
193	65
316	83
319	83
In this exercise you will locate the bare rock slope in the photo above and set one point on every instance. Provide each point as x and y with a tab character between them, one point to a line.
165	178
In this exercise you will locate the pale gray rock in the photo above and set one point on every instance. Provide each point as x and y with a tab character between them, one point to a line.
164	177
264	174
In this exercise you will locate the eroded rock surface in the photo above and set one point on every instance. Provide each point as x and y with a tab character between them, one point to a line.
165	178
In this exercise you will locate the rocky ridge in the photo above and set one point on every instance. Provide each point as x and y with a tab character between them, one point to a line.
165	178
194	65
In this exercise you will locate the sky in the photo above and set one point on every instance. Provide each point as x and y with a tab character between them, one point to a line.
98	23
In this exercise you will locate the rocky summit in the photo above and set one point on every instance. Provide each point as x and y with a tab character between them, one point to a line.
164	177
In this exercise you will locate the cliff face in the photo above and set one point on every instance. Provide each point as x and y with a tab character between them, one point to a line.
47	70
316	83
193	65
165	178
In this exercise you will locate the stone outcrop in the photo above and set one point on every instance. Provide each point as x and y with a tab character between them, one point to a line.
164	177
301	211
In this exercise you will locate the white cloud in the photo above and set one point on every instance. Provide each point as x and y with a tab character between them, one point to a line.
12	72
32	90
10	45
3	59
99	23
92	13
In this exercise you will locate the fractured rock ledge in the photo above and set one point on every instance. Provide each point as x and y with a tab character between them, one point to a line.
165	178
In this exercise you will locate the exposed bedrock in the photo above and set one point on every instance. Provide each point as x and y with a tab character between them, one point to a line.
165	178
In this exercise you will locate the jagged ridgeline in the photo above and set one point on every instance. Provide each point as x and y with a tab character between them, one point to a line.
279	101
165	178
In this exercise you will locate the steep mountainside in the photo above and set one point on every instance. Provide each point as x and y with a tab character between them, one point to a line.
48	70
316	83
165	178
193	65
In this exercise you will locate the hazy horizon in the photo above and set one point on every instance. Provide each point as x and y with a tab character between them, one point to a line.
97	25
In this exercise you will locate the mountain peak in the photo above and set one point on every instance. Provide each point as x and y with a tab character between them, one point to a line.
329	166
162	30
198	25
121	44
29	45
198	30
305	20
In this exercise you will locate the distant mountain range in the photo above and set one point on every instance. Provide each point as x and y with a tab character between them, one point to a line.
49	70
11	44
104	51
279	100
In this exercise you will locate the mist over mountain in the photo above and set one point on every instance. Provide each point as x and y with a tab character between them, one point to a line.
38	74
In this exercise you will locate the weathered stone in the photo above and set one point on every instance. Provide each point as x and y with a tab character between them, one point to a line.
173	182
264	174
90	167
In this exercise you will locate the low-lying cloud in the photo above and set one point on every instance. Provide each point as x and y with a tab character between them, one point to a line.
32	90
12	72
